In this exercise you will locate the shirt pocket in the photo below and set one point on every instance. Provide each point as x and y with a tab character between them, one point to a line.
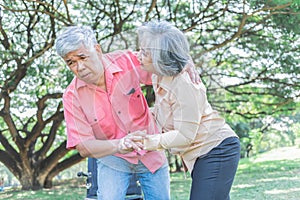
128	102
137	105
98	124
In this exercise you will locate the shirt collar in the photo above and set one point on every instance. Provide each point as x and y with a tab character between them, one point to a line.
79	83
110	65
164	83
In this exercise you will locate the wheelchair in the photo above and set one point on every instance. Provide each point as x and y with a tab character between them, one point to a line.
134	191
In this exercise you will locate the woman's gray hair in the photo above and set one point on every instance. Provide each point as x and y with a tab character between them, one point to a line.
74	37
167	45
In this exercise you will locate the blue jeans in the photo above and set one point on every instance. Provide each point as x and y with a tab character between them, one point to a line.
114	176
213	174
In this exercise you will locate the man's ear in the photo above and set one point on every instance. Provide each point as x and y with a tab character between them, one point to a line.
98	48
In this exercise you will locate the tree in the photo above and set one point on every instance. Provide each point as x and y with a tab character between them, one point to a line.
33	146
247	57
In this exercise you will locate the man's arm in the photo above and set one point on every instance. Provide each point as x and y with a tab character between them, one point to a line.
97	148
101	148
191	70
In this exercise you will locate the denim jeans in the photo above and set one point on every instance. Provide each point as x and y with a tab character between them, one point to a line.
213	174
114	176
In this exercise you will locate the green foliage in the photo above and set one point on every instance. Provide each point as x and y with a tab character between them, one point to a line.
248	56
287	21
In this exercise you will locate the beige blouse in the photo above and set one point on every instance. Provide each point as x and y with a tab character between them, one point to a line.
189	126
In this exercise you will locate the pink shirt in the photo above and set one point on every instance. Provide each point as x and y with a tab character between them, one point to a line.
92	113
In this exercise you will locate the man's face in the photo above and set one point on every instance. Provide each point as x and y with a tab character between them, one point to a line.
86	64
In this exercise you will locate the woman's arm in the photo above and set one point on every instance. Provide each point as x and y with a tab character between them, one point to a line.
187	112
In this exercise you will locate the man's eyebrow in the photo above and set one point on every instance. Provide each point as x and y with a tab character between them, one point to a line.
78	55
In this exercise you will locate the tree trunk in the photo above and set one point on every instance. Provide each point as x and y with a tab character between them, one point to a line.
30	182
48	183
40	175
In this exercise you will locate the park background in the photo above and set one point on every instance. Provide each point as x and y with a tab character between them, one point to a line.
246	52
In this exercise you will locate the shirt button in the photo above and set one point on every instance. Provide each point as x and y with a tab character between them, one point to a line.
95	120
138	95
119	112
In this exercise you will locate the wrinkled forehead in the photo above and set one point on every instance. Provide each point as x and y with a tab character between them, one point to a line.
81	51
72	54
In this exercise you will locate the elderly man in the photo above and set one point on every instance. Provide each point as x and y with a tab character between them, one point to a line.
102	105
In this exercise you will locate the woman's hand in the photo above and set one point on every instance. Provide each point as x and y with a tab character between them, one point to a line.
131	142
152	142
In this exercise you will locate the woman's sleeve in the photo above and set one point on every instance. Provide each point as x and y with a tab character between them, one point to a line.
187	106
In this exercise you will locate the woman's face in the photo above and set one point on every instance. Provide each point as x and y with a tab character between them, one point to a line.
145	58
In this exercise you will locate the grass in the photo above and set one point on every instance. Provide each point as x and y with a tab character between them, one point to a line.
266	180
256	179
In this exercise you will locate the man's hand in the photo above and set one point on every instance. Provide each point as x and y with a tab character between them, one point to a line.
191	70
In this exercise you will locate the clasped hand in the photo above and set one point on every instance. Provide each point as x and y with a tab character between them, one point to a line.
131	142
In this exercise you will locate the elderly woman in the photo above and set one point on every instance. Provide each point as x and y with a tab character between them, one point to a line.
189	126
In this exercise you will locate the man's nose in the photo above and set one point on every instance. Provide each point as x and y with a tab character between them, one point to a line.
80	66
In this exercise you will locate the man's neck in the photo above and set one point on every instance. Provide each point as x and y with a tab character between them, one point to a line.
102	83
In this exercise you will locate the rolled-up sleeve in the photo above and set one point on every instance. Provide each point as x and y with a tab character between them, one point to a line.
78	129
